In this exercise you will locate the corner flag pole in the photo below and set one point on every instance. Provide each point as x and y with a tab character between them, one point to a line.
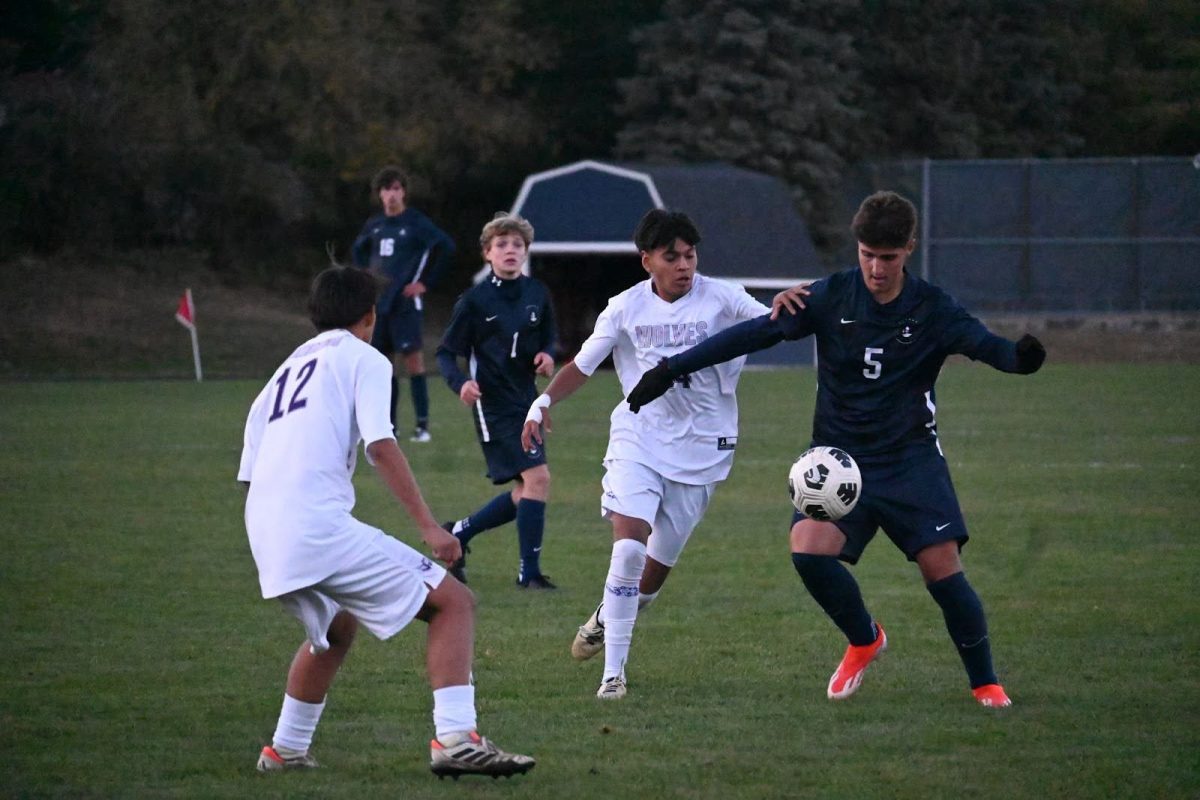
186	315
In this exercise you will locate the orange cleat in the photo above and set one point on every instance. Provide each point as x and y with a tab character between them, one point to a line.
849	674
991	695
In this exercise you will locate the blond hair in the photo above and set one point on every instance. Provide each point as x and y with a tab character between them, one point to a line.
504	222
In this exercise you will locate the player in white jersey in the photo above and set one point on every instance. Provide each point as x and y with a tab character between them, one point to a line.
333	572
660	471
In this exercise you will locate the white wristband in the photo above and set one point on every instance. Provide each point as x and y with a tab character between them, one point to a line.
535	410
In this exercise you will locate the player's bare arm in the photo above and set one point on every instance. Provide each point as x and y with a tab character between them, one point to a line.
469	393
393	467
792	299
565	383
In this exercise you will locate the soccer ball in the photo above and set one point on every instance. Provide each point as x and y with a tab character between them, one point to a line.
824	483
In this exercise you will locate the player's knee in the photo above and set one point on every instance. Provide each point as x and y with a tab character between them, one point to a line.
628	559
536	481
457	599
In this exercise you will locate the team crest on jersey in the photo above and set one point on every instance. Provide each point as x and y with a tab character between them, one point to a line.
726	442
533	314
908	331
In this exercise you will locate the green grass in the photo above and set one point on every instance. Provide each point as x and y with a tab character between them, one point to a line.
140	661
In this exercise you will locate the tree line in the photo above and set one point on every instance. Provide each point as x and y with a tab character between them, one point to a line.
251	130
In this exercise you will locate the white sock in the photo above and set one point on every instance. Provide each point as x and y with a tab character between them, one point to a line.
297	724
453	710
645	599
621	602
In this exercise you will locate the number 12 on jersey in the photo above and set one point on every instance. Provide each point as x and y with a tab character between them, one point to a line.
303	375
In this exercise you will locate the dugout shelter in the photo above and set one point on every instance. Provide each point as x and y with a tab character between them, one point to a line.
585	213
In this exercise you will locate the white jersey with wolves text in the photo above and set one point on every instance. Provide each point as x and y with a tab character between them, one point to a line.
688	435
299	453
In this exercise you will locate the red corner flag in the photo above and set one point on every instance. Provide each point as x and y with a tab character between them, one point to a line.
186	314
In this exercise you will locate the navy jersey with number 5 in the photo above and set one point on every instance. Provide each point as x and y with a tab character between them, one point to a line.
876	364
499	326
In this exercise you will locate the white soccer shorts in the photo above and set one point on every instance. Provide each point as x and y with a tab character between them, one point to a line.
384	588
672	509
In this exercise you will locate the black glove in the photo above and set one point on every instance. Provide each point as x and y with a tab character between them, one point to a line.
653	385
1030	354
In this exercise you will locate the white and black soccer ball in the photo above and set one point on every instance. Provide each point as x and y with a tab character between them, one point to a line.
824	483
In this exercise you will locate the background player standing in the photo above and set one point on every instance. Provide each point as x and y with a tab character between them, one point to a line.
660	469
331	571
405	247
882	337
504	327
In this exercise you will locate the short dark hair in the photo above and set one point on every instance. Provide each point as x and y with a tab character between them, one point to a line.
660	227
387	176
885	219
341	296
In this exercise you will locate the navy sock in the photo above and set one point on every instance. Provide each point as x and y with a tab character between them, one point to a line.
498	511
420	399
531	525
836	591
967	626
395	399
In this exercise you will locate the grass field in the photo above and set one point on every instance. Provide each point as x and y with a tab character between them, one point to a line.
140	662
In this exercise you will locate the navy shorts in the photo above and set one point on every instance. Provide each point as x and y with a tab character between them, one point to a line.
399	330
911	498
506	459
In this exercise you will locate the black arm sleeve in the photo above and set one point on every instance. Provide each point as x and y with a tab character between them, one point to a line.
745	337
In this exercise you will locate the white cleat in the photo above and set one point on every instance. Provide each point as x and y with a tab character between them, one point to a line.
475	755
612	688
589	640
269	760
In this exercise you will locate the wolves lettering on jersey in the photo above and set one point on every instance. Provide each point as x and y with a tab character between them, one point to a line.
688	435
682	334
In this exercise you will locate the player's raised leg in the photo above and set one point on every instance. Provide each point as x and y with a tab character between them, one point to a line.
815	546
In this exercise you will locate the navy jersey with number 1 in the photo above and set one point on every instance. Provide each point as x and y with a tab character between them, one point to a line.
499	326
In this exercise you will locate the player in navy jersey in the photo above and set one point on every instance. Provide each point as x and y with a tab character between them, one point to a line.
405	247
504	328
882	336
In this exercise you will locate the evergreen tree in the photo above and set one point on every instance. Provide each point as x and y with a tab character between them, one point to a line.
767	85
955	79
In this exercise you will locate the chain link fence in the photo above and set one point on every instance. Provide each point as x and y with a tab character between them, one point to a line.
1082	235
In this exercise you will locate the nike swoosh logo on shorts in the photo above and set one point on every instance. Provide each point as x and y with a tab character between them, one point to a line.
489	319
941	527
846	321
